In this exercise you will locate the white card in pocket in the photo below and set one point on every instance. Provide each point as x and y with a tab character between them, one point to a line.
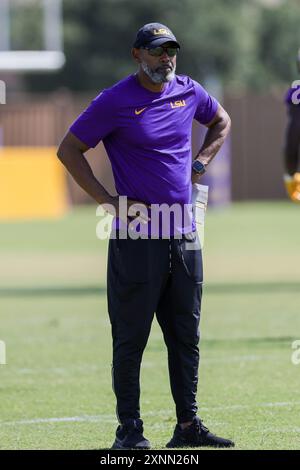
199	202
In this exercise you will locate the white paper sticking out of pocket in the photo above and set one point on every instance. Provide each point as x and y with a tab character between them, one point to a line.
199	202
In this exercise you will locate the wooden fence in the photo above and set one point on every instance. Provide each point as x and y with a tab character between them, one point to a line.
258	125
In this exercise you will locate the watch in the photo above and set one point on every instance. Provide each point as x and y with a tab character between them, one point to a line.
198	167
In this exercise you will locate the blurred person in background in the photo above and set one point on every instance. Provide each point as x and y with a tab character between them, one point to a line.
145	122
292	141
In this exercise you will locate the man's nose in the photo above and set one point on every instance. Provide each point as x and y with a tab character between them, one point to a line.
164	57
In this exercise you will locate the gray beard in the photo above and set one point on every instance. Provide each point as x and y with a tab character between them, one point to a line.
158	76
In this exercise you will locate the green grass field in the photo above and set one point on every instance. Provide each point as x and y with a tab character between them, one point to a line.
55	390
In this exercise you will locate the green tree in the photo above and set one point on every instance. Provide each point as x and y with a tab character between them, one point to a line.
242	42
279	41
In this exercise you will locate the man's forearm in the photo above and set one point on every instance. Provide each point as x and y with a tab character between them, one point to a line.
214	140
79	168
292	145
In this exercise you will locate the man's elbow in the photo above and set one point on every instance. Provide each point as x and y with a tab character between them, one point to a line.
69	146
222	122
62	151
59	152
226	123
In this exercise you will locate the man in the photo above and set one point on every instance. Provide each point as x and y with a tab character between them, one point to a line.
292	142
145	123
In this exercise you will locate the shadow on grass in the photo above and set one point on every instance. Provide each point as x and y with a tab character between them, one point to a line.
275	287
269	340
233	288
52	291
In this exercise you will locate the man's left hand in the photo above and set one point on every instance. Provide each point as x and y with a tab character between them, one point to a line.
196	177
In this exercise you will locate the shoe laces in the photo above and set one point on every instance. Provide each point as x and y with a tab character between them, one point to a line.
200	426
132	426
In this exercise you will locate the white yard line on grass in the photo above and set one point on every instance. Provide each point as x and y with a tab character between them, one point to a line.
66	419
112	419
95	368
246	358
68	370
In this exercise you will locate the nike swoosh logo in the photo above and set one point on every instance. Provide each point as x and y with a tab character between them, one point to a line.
137	112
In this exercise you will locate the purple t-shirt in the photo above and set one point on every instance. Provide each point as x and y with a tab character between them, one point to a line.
147	136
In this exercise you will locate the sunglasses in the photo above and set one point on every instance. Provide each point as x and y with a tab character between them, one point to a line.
158	51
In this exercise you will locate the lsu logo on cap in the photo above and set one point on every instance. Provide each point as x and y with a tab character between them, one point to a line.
161	31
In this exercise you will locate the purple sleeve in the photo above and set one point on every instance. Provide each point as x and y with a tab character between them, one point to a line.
287	97
97	121
206	105
292	96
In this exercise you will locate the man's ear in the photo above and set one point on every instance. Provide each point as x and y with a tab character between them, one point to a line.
136	55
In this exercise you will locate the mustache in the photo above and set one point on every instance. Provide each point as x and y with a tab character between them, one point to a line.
161	74
163	68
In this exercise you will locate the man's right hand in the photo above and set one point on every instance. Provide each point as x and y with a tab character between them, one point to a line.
127	209
292	184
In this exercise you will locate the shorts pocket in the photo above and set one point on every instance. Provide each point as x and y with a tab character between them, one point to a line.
133	260
191	260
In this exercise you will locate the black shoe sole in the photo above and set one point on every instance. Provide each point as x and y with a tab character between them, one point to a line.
216	446
117	445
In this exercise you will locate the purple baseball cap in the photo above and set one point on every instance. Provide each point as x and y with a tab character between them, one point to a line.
154	35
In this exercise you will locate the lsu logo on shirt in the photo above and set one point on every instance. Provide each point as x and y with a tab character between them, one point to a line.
177	104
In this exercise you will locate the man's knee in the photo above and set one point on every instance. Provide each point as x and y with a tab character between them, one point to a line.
132	343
